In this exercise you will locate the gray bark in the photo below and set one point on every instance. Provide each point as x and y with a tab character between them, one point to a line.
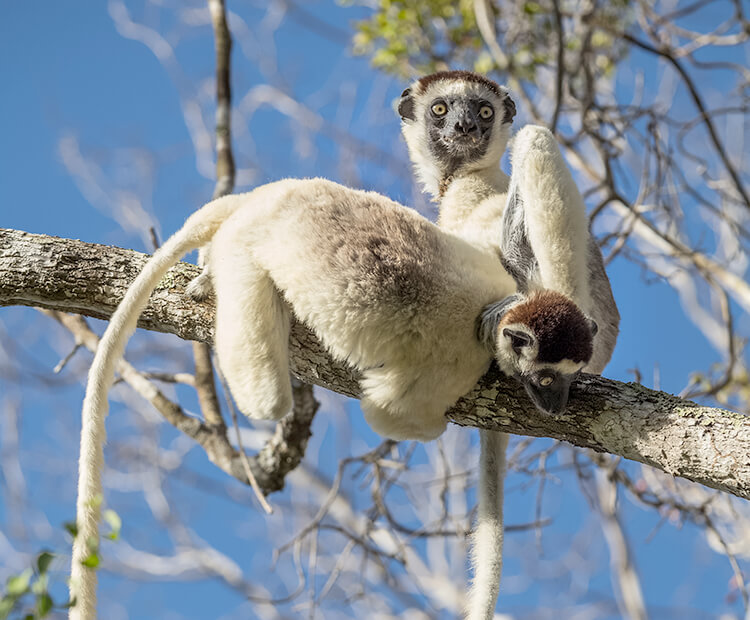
704	444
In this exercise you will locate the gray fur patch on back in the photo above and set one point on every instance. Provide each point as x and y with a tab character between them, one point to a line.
604	309
516	254
385	255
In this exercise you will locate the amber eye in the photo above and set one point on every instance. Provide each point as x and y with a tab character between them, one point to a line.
486	112
545	381
439	109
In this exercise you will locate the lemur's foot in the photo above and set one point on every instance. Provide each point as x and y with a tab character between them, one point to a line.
200	287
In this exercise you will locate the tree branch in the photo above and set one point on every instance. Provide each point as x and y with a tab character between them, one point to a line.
205	385
702	444
668	54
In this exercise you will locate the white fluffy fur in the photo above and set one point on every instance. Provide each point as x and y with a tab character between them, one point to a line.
300	245
197	230
487	538
557	229
556	222
472	208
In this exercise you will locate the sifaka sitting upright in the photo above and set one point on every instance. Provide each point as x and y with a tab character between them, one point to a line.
456	125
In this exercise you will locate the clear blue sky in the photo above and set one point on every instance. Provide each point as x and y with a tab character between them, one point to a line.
71	79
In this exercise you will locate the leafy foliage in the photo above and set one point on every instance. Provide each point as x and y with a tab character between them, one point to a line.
404	36
410	37
27	595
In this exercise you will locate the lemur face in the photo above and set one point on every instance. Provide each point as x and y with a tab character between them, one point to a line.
459	128
549	387
542	341
453	121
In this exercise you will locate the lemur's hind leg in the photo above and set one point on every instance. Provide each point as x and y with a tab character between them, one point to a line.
200	287
403	425
397	410
556	223
252	336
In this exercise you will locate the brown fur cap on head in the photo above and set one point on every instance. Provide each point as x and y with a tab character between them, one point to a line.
464	76
561	330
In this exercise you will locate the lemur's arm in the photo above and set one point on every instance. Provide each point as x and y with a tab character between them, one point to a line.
545	240
516	254
555	227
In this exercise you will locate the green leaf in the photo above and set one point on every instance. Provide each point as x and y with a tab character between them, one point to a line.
601	39
6	606
96	501
44	605
92	544
532	8
115	523
92	561
18	585
43	560
72	528
484	63
41	585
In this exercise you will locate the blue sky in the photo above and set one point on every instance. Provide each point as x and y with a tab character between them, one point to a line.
72	81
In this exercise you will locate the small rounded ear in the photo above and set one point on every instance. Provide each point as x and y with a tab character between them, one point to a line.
518	338
406	106
510	109
489	319
593	326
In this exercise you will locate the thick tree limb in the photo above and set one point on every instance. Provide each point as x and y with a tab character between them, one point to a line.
704	444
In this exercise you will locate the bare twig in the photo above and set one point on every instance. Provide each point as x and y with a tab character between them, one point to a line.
624	575
560	65
212	439
241	449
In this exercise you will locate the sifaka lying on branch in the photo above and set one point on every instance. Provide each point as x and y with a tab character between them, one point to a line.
417	310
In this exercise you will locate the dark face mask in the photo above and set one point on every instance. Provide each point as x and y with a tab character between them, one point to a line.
551	398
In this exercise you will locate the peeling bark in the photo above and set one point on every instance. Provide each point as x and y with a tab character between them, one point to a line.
704	444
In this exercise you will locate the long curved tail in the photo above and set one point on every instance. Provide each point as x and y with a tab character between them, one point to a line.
197	230
487	540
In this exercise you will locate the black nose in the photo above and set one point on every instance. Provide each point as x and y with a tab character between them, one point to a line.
466	124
